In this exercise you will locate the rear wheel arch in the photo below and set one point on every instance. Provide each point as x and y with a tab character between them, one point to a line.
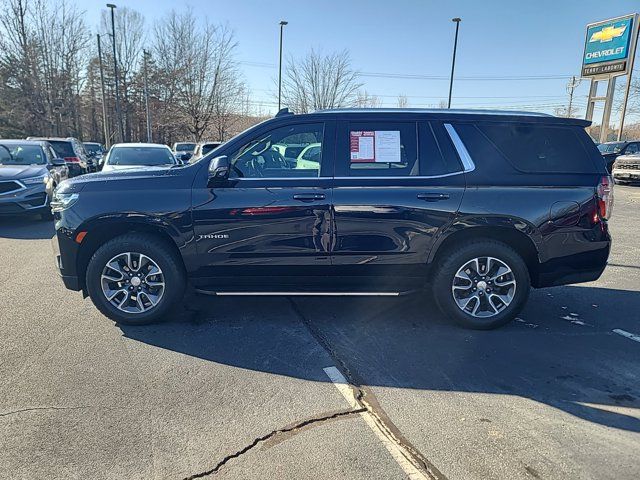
512	237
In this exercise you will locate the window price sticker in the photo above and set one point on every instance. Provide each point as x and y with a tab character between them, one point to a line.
379	146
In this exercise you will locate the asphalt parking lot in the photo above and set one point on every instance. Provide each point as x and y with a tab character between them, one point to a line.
252	388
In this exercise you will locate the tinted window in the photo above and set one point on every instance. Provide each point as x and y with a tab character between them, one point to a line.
93	147
185	147
382	149
209	147
140	156
538	148
437	154
275	153
62	149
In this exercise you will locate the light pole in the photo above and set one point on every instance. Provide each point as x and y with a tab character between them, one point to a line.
107	140
146	96
282	24
453	61
115	71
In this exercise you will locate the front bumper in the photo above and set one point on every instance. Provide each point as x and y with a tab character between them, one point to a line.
65	252
26	199
626	174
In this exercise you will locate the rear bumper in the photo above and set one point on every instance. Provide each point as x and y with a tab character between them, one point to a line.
577	268
76	169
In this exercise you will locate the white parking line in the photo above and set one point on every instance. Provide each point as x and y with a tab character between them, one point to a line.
624	333
396	451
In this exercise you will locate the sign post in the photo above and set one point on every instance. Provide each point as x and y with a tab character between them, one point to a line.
609	51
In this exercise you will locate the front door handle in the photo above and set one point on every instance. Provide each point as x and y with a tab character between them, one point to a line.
433	197
309	197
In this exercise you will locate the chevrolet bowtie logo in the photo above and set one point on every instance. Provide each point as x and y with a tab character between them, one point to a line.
607	34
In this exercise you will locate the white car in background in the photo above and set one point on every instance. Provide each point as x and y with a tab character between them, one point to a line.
126	156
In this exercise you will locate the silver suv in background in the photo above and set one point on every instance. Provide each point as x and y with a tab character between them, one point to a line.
626	168
29	172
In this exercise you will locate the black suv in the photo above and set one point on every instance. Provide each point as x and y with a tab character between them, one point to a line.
72	150
478	206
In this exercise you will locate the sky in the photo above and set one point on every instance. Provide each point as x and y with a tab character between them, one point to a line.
511	54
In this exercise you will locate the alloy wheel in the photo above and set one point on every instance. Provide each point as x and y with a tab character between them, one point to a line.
484	287
132	282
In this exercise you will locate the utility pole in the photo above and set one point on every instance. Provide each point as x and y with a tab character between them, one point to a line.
107	140
571	86
115	71
282	24
453	61
146	95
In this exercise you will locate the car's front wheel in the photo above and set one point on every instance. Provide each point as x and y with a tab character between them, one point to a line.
135	279
482	285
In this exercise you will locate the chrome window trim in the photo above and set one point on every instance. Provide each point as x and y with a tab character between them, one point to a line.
403	177
279	178
19	189
463	153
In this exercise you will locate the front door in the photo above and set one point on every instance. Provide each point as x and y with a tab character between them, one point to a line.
397	184
271	218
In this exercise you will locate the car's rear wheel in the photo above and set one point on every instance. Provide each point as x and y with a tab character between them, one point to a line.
135	279
482	285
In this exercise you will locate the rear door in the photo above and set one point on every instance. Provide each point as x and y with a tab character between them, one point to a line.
397	184
272	217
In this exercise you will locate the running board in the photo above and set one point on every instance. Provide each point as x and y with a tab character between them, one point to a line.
303	294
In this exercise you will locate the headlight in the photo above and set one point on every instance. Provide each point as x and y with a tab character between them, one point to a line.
33	180
62	201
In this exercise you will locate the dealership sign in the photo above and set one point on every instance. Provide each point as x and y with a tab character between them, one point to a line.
608	46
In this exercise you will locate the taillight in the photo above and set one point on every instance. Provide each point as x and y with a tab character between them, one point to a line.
72	159
605	198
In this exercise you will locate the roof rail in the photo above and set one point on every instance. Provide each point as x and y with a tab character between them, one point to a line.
284	111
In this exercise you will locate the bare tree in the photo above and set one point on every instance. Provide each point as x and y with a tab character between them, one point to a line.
365	100
43	49
206	86
320	81
130	39
402	101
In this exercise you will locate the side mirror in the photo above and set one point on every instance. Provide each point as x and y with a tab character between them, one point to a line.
219	167
58	162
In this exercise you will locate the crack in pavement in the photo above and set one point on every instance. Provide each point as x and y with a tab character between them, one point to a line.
365	397
294	428
30	409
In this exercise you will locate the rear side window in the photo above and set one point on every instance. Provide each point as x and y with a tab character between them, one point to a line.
437	154
539	148
382	149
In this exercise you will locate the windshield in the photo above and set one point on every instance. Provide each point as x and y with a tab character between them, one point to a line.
610	147
63	149
93	147
185	147
22	155
140	156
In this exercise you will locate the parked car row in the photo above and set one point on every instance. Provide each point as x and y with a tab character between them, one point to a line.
31	169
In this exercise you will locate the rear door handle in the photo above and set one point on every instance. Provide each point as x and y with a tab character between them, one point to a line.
309	197
433	197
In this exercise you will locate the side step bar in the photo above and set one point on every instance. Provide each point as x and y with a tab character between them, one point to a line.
304	294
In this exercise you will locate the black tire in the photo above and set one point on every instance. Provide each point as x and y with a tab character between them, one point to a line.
156	249
455	259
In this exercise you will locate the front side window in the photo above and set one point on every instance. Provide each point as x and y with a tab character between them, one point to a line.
280	153
381	149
